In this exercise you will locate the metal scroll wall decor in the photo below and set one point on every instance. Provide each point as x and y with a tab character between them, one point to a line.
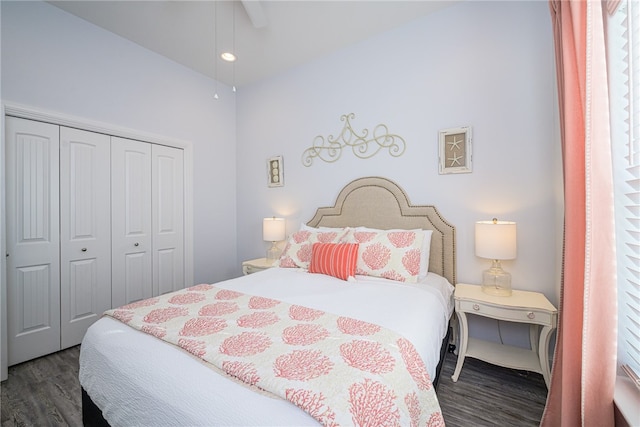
363	145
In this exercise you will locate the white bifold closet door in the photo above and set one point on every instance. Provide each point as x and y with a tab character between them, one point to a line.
93	222
167	218
131	259
33	239
59	235
85	231
147	185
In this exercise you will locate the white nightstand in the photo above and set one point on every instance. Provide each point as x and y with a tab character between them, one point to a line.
522	307
255	265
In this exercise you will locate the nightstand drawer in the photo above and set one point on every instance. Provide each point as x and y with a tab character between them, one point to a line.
256	265
249	269
520	314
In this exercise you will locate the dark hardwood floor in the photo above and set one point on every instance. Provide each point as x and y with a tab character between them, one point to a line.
46	392
43	392
488	395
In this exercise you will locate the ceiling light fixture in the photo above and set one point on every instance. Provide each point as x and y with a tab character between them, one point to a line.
233	61
215	49
228	56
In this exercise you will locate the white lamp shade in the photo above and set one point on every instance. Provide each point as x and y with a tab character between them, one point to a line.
496	239
273	229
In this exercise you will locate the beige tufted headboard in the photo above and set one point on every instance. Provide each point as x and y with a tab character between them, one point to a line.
380	203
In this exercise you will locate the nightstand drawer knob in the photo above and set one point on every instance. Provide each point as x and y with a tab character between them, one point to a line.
476	307
531	315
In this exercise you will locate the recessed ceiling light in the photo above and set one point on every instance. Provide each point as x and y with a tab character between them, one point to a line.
228	56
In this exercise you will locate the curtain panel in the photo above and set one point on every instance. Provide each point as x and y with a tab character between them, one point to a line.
583	374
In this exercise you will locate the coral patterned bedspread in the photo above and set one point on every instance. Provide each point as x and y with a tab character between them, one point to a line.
340	370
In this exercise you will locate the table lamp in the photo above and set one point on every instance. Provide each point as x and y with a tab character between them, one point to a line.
496	240
273	230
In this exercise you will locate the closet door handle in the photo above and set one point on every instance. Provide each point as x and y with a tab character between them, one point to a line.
84	249
136	244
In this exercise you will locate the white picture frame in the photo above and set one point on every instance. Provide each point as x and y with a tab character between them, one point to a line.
455	150
275	171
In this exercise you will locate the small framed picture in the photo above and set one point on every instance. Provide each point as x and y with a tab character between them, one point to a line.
455	150
275	171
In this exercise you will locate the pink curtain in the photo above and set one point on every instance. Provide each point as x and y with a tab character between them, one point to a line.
583	374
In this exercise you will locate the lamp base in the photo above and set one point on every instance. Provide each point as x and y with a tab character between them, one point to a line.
273	253
496	281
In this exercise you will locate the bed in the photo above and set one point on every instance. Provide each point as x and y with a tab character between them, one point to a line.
130	377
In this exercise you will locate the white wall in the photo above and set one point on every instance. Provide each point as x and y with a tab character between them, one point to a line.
484	64
54	61
488	65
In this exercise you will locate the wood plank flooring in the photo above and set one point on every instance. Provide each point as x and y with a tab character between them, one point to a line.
46	392
43	392
488	395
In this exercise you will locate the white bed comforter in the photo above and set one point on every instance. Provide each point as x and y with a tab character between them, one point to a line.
137	379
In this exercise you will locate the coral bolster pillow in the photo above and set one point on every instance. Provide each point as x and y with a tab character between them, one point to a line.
334	259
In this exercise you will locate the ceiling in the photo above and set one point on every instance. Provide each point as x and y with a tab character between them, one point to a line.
271	36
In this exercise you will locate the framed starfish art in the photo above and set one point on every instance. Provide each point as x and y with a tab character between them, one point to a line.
455	150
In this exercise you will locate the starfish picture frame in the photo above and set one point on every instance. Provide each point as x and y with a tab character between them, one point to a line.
455	150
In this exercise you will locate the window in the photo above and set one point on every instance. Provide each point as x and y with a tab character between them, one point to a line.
623	44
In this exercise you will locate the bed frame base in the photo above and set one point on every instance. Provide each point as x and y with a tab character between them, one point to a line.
446	346
91	414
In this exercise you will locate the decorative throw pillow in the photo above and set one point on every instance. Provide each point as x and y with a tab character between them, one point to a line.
391	254
297	252
334	259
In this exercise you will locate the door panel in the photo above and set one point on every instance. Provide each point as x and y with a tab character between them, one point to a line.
33	296
131	221
168	219
85	231
136	275
33	262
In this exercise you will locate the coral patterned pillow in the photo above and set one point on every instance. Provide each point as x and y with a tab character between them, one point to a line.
297	252
391	254
334	259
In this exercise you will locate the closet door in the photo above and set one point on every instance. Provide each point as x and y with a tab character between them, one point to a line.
33	261
85	231
131	250
168	219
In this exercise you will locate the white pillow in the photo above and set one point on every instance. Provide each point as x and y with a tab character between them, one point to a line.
426	253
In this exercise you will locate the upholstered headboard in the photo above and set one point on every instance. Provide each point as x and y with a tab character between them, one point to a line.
380	203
